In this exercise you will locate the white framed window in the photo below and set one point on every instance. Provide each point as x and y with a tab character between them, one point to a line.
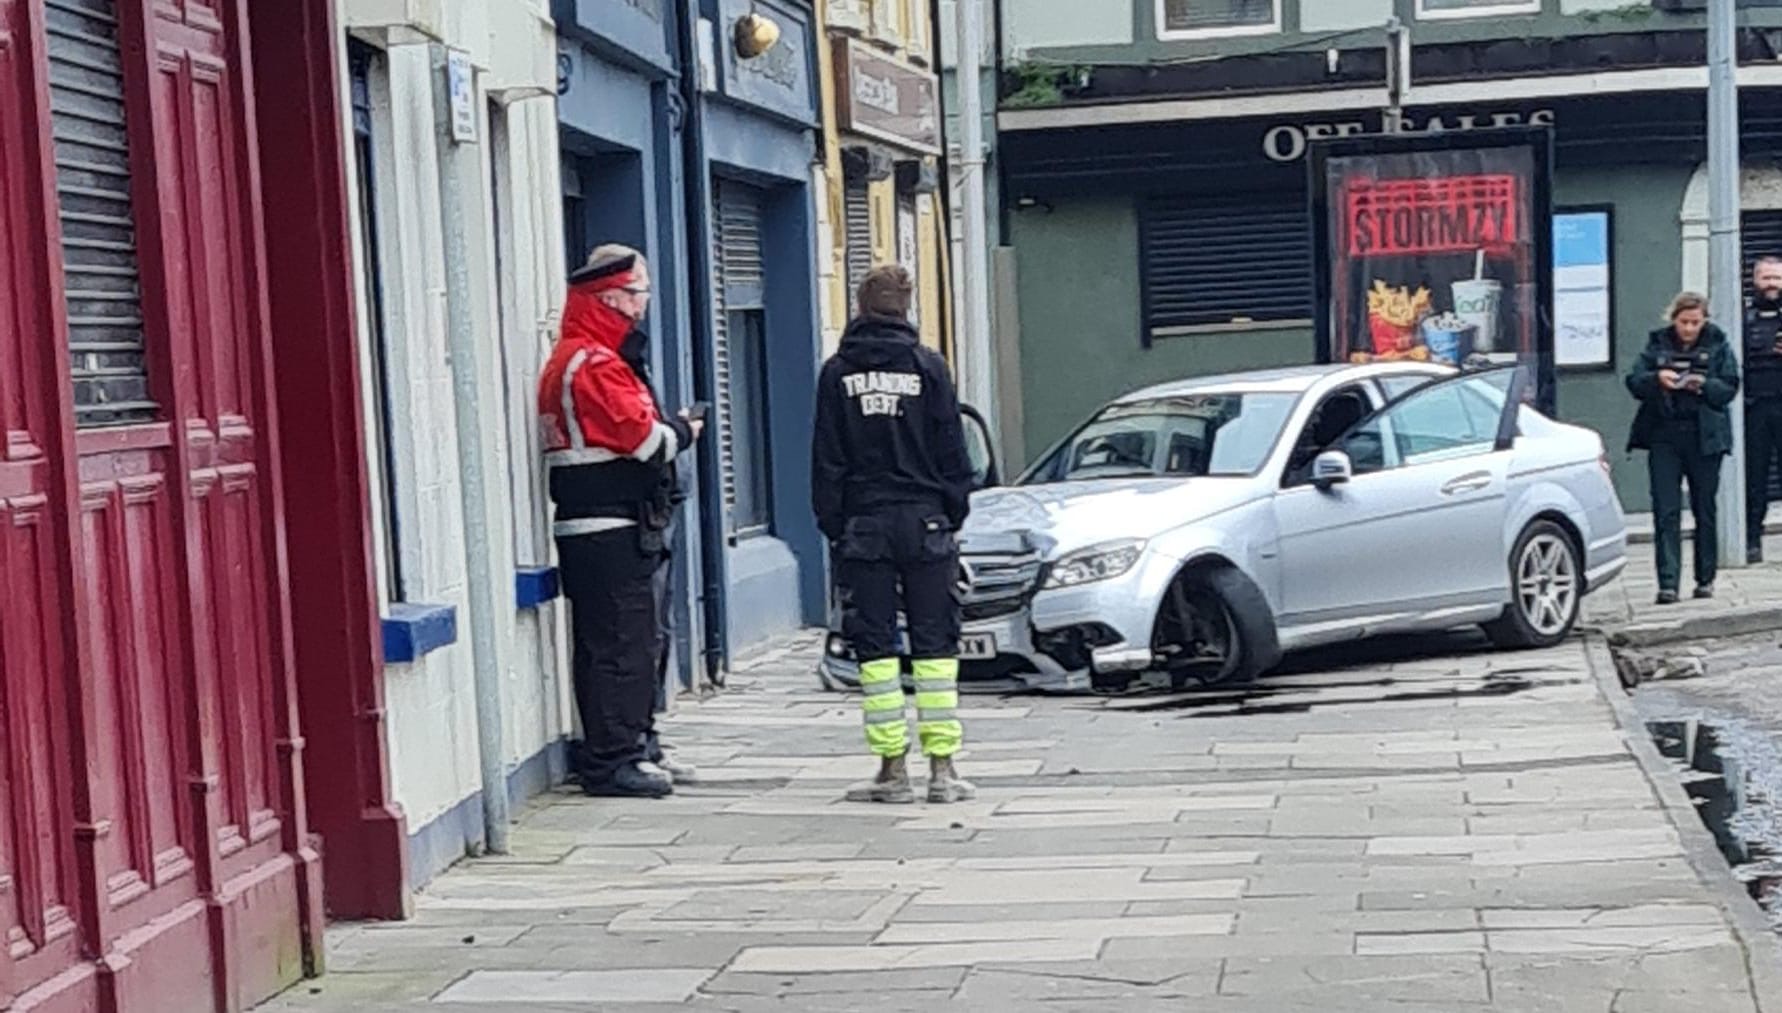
1212	19
1436	10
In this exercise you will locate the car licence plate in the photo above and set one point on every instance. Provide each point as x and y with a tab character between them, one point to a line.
977	647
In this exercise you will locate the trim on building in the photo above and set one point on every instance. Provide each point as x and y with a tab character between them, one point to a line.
1605	83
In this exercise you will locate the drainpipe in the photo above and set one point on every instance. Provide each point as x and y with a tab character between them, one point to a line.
459	163
696	181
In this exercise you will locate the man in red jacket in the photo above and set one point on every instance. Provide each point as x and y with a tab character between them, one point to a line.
610	453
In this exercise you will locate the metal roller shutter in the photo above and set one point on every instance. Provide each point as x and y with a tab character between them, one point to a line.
1760	235
740	284
1225	258
857	211
92	155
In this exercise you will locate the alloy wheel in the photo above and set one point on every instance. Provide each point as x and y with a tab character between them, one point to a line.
1547	584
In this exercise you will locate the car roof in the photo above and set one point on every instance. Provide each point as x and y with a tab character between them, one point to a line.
1285	380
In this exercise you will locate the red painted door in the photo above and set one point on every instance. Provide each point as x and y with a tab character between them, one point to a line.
150	796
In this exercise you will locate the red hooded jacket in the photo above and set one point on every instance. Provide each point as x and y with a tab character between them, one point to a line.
608	448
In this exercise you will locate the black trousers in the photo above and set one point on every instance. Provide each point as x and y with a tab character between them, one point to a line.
614	619
1763	440
1674	459
900	557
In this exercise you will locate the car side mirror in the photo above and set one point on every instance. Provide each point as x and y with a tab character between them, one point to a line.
1331	468
984	473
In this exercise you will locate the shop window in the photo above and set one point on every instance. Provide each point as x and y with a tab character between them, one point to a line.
1224	260
101	279
364	62
752	511
740	355
1191	19
1475	8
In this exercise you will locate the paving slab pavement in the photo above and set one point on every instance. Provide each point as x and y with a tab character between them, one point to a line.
1747	600
1402	827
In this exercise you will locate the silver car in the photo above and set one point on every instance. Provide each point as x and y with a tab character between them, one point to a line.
1198	529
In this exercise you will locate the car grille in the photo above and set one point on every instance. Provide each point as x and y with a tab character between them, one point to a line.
993	586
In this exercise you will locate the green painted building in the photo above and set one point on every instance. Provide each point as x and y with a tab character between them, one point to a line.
1154	177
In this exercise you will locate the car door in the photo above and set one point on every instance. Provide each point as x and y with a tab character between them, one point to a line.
1418	528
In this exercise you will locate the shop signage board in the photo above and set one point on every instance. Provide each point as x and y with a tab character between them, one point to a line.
1583	307
1435	248
886	99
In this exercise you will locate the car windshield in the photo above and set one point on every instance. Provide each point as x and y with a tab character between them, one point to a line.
1187	436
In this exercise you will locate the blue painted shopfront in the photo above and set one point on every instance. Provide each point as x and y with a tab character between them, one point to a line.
618	109
749	558
759	120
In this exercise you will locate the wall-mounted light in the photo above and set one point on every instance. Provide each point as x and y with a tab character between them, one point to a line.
755	34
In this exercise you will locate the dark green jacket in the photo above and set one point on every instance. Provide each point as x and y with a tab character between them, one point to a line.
1662	410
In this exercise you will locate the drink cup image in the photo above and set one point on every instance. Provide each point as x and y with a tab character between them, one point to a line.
1477	301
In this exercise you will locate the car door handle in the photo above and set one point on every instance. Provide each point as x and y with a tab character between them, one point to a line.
1467	483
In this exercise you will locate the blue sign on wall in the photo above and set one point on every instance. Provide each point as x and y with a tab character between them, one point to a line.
779	80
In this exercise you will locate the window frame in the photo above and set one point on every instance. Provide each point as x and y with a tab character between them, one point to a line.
1503	8
1599	365
751	444
1168	34
368	64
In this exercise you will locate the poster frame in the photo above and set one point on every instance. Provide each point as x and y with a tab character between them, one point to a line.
1538	139
1612	364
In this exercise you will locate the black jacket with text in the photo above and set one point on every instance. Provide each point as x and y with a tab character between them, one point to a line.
887	430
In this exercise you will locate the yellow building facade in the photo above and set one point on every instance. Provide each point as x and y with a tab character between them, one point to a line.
881	192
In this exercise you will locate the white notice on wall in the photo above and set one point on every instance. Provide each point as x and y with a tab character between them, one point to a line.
461	86
1582	318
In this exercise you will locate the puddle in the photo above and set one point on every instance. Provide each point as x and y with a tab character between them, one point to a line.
1733	774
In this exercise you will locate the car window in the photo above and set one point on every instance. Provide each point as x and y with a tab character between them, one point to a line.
1449	420
1180	436
1334	416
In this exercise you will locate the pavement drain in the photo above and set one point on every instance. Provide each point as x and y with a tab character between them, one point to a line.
1728	768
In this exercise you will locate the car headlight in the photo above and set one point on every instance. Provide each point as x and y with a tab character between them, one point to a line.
1098	562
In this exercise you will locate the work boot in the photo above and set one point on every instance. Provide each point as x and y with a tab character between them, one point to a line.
631	781
891	787
944	783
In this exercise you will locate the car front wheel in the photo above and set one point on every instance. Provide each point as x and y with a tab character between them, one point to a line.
1215	627
1546	589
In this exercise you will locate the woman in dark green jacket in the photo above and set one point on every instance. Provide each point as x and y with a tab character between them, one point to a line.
1684	381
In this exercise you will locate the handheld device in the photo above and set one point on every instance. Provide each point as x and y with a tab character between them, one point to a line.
698	410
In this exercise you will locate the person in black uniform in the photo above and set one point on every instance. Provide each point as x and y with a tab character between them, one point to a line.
890	485
1684	381
1763	397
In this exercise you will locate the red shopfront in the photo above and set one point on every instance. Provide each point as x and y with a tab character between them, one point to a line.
174	285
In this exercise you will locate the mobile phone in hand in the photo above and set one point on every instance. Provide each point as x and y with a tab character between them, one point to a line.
698	410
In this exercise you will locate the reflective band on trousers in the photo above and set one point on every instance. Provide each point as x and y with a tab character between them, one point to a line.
881	706
937	706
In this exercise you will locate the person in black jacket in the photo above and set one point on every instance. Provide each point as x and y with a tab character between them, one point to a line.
1684	380
890	485
1763	397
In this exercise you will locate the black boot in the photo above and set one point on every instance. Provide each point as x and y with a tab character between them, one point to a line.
631	781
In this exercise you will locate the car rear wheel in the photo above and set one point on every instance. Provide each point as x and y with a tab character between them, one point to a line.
1546	589
1215	627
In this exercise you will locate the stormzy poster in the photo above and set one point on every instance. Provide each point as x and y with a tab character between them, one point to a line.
1433	250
